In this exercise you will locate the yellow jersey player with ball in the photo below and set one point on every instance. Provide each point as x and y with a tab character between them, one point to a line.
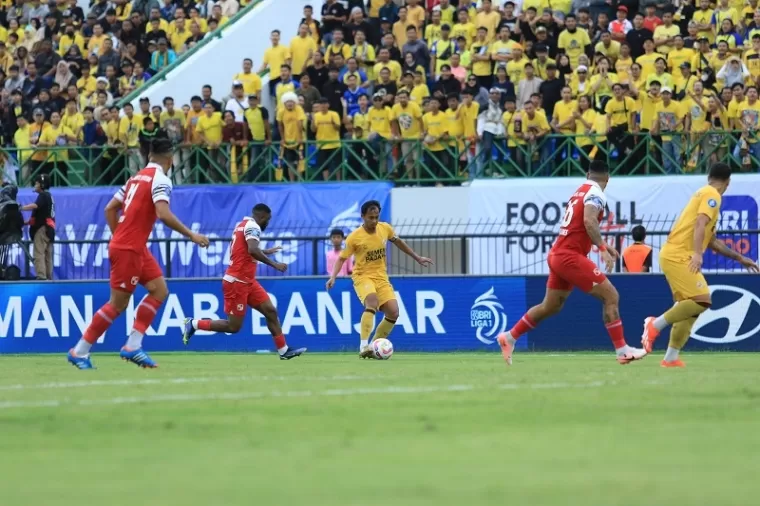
370	276
681	262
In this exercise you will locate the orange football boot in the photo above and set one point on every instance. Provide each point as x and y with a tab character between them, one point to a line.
673	363
506	348
649	335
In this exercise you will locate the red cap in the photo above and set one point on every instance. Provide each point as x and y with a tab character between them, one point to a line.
622	8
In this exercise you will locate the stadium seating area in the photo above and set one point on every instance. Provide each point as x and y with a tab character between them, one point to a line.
434	93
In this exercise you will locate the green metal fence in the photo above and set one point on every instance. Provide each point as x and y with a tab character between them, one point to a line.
404	161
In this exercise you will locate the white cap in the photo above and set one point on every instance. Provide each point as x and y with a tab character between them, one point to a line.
582	67
289	97
666	90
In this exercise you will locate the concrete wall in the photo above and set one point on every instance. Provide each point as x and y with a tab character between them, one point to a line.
216	63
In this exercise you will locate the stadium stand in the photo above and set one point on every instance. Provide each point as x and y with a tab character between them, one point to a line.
421	93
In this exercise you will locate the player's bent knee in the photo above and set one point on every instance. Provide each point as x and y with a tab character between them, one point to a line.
371	302
157	289
606	292
390	310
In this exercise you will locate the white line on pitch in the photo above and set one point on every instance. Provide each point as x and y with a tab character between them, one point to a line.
346	392
180	381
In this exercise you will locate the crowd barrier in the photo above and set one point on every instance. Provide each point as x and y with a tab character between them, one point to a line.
437	314
380	159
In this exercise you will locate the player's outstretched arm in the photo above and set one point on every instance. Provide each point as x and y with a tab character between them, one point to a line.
720	248
165	214
255	252
403	246
112	214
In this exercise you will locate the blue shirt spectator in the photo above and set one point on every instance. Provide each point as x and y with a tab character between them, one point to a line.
352	99
162	57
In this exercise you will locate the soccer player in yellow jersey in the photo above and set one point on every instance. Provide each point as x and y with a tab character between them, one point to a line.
368	244
681	262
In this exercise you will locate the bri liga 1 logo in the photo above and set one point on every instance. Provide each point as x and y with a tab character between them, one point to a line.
487	315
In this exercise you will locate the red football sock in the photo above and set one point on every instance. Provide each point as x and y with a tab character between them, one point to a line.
204	324
146	311
100	323
522	326
615	330
279	341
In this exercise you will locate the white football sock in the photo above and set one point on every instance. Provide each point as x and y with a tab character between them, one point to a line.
660	323
282	350
194	323
82	348
511	340
364	344
671	354
135	340
622	351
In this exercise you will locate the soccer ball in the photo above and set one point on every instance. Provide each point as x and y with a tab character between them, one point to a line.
382	348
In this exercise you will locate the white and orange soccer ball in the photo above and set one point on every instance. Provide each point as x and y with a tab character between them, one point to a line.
382	349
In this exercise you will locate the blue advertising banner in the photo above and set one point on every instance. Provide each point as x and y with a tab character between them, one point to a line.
732	323
436	314
298	210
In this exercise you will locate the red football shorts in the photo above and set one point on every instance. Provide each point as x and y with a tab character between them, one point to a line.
131	268
237	296
568	270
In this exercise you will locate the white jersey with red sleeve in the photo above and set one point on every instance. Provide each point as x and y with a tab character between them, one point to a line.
138	210
242	265
572	232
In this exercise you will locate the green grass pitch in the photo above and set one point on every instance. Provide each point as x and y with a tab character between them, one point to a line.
332	430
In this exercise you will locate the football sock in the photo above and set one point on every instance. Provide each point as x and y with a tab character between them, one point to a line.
615	330
671	354
679	334
363	344
511	340
280	344
681	311
523	325
384	328
144	315
99	324
367	325
201	324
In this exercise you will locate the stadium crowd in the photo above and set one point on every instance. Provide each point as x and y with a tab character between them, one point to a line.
455	85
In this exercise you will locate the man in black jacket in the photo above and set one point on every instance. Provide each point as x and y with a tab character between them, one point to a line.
42	227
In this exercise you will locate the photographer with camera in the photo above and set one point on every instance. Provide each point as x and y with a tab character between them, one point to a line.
42	227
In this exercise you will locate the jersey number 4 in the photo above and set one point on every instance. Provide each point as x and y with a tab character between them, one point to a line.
568	217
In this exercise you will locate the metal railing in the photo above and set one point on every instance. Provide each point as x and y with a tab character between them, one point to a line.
403	161
512	252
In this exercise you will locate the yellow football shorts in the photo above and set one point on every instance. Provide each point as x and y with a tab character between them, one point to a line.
683	283
382	287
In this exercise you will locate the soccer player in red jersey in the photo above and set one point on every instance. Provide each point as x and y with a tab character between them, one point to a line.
240	287
569	266
141	200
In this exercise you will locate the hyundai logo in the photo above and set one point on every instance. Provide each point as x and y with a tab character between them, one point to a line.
735	313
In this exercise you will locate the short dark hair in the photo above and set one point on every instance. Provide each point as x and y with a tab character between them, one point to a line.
720	172
639	233
598	167
369	205
161	144
262	209
166	99
337	231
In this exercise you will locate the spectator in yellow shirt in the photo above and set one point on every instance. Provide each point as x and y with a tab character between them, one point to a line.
326	126
406	125
380	132
435	134
209	130
290	121
57	136
251	81
274	58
